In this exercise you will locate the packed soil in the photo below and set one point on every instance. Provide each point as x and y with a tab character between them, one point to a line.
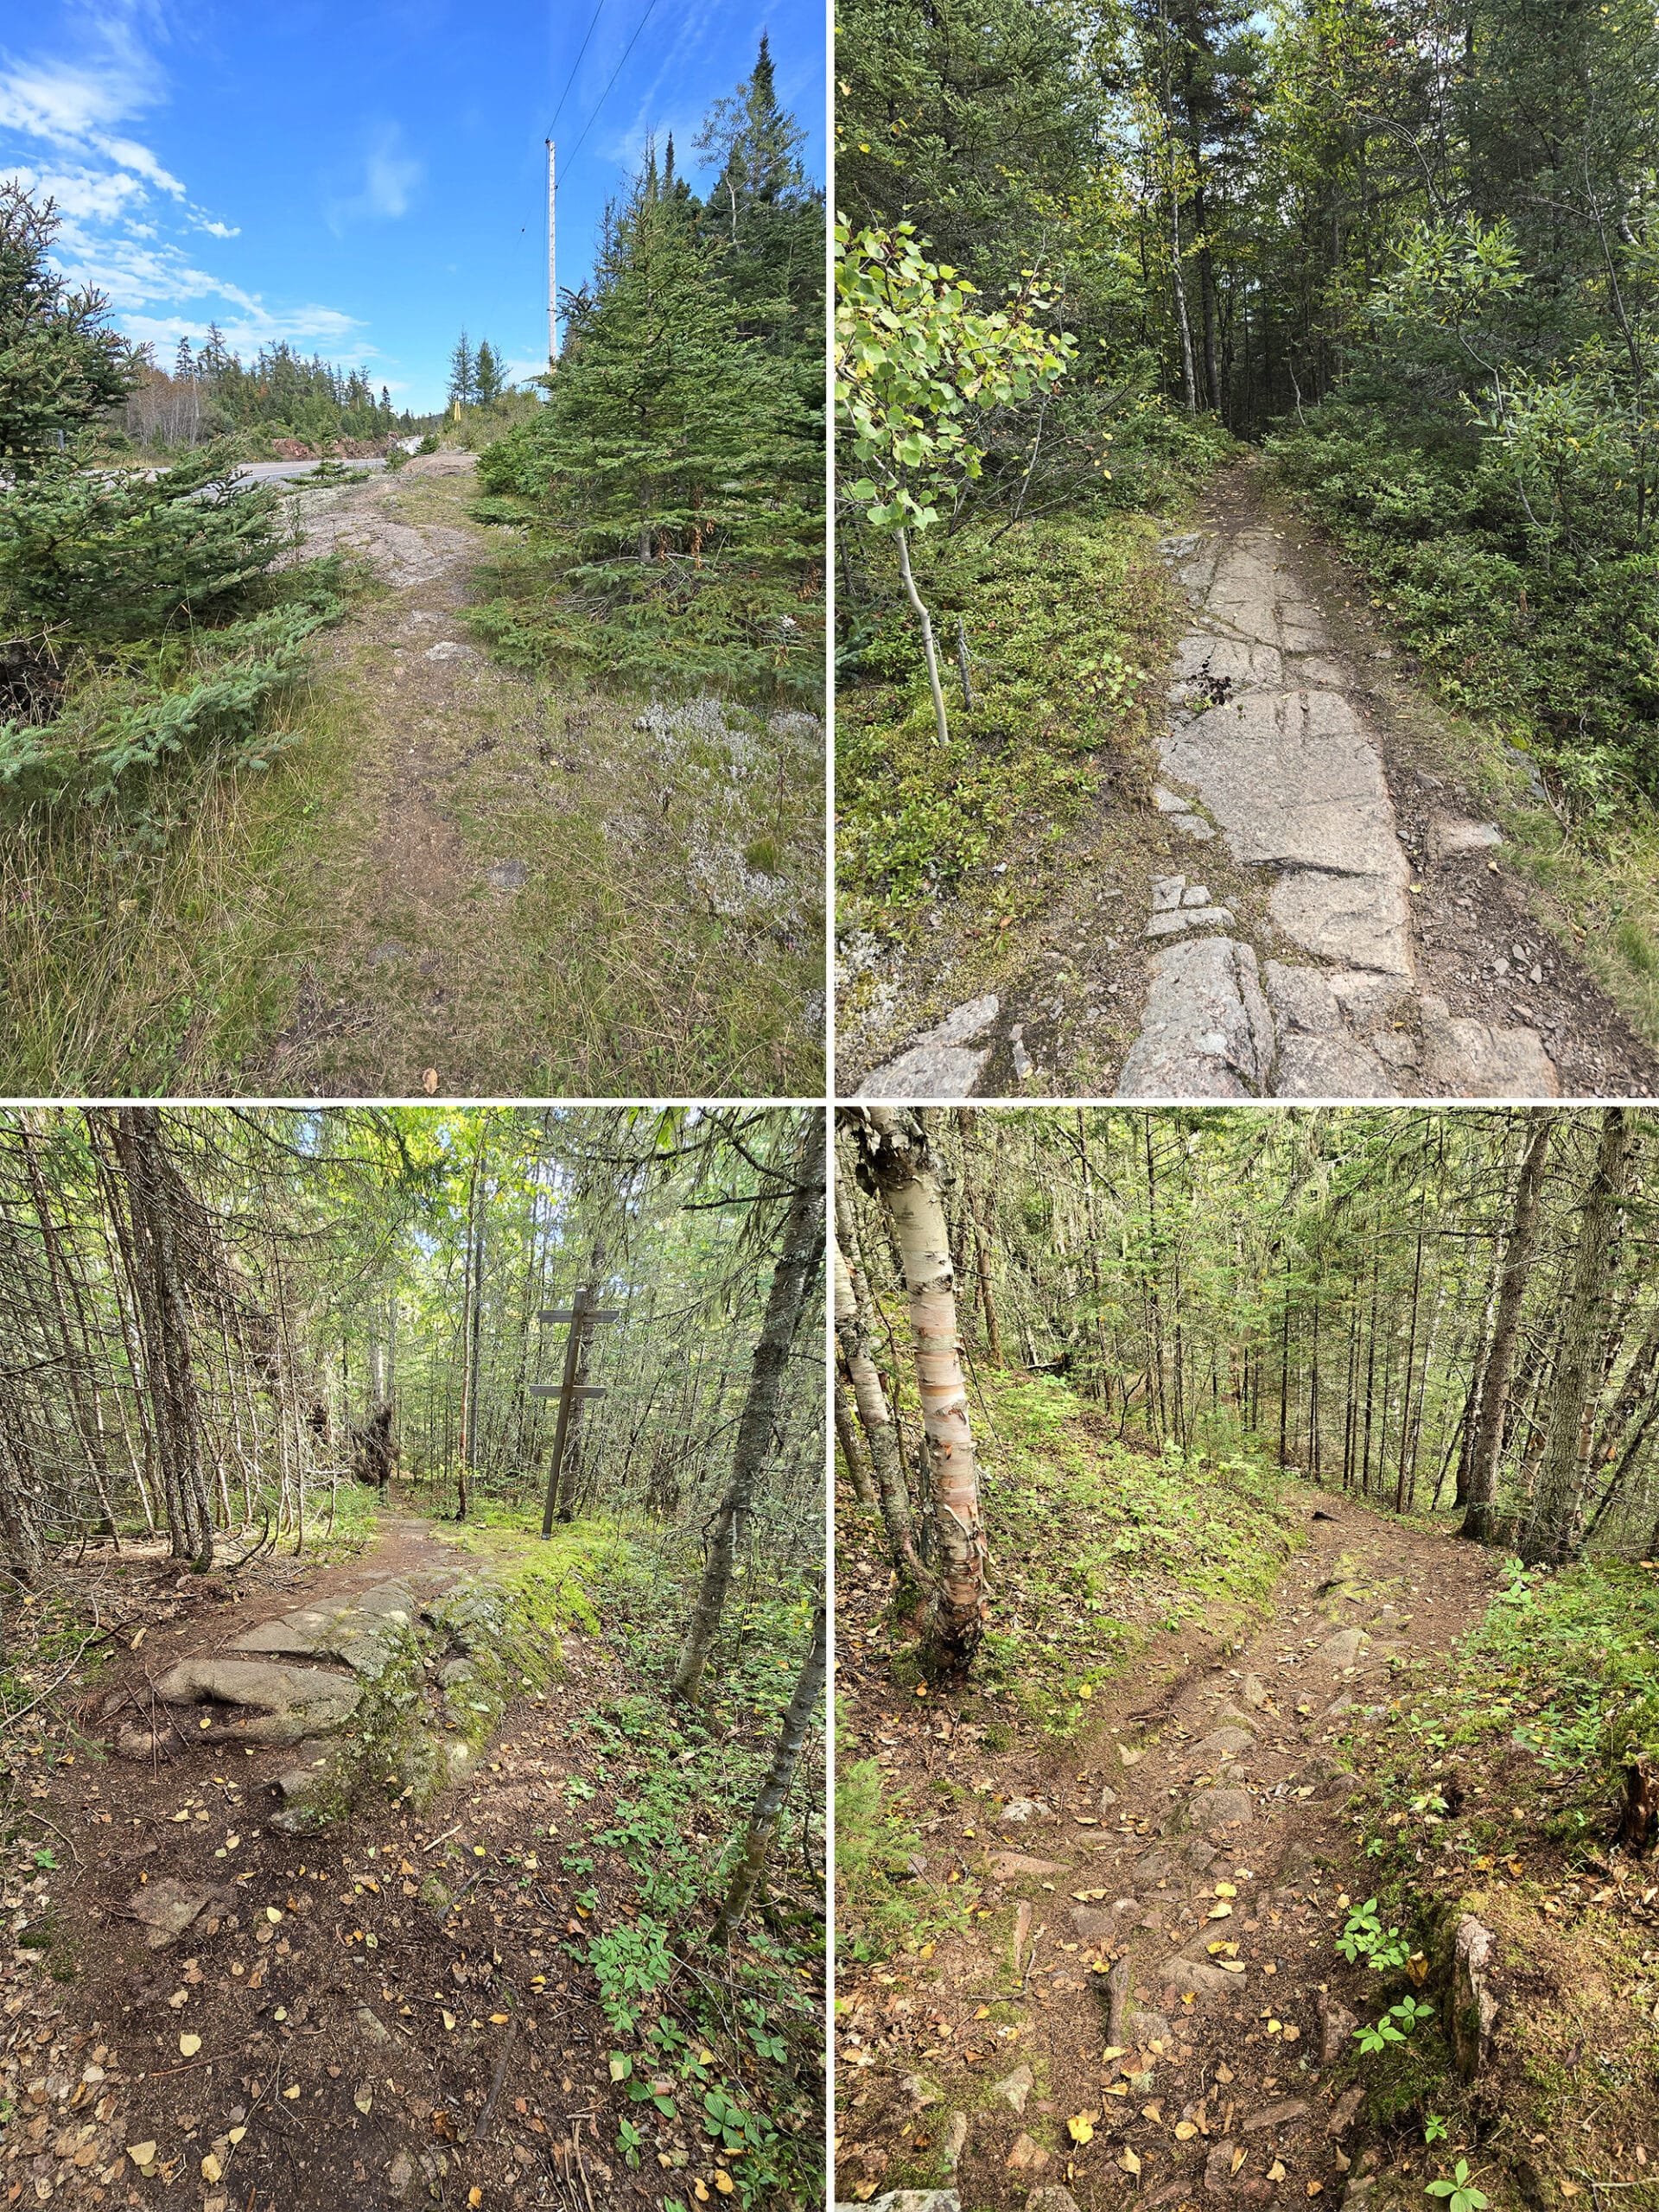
1139	2000
324	2035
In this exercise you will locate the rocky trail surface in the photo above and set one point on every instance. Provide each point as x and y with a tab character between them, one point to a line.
259	1975
1331	922
1143	2003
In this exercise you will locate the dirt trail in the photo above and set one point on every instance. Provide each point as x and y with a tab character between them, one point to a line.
263	2012
525	884
1329	919
1168	1891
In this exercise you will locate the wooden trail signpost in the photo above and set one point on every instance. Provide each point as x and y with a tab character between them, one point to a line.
583	1317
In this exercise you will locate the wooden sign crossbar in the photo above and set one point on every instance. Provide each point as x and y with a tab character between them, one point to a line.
581	1317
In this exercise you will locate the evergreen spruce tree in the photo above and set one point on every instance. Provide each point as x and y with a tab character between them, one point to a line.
60	368
763	206
463	373
675	474
488	382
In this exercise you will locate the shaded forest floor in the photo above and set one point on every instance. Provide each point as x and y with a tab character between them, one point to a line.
1456	965
526	885
1090	1941
443	2006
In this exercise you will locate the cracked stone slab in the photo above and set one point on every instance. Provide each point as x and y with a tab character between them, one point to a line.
1294	782
1318	1055
362	1632
1244	587
1362	921
1473	1059
1204	662
289	1703
1207	1032
942	1063
1189	918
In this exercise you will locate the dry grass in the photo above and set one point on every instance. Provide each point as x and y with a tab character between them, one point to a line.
529	889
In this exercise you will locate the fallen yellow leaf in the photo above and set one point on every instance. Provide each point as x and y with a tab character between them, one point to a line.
723	2181
1080	2127
1226	1889
211	2168
189	2045
1129	2163
1185	2130
1276	2170
141	2154
292	2090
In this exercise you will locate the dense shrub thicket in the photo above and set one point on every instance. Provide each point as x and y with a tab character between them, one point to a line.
141	616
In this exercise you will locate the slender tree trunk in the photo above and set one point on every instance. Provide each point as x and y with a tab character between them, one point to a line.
976	1206
857	1459
1551	1534
1493	1403
763	1821
853	1333
799	1256
929	647
898	1158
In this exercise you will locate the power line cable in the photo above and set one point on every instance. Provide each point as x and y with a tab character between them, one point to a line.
604	95
574	66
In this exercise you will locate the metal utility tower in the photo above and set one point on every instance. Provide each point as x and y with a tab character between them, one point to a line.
551	273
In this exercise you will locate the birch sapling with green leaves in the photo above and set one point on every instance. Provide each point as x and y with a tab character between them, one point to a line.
917	371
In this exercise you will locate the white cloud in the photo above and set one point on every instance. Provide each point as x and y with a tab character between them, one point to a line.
246	334
522	371
391	178
122	215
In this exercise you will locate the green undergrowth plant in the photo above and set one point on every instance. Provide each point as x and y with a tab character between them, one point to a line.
728	2038
1554	1692
1559	642
882	1906
148	622
1068	622
1102	1544
1492	1786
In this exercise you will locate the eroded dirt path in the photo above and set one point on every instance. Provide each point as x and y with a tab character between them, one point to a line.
1330	918
1150	1952
375	2014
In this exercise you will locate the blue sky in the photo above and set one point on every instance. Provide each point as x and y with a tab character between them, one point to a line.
361	179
